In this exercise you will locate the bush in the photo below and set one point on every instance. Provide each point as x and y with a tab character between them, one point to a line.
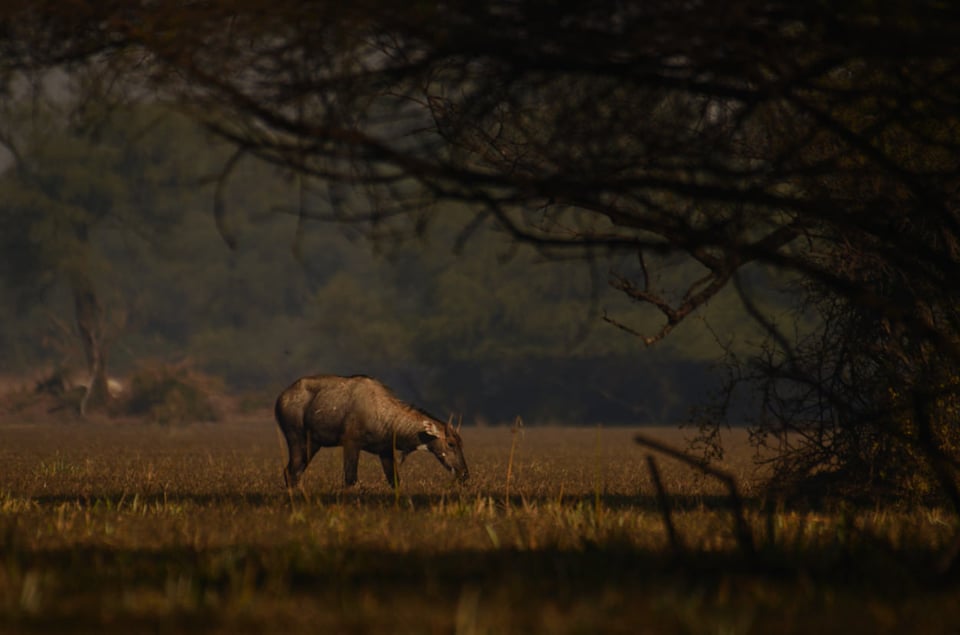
171	394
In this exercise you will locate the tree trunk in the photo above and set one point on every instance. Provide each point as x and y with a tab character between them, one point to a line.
89	316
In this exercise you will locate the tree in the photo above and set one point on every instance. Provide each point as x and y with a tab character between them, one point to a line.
68	184
599	126
854	405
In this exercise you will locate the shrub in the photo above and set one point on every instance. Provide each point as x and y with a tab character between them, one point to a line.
171	394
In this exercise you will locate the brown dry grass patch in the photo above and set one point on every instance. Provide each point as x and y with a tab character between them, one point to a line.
112	527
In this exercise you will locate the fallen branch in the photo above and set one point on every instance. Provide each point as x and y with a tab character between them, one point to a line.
741	529
664	504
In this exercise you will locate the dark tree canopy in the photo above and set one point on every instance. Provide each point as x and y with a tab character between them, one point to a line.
731	132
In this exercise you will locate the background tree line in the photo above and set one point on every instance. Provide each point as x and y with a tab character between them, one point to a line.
122	202
819	140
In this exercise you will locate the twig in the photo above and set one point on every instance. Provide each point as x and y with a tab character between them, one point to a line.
396	473
517	425
664	504
741	529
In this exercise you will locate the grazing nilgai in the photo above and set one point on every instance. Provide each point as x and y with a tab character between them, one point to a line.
359	413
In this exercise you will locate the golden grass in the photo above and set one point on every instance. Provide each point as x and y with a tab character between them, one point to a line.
112	527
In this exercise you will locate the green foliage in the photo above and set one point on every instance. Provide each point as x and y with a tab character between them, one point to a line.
493	329
80	186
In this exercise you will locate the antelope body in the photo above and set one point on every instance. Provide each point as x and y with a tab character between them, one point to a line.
359	413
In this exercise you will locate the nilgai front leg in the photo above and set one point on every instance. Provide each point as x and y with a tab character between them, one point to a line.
390	469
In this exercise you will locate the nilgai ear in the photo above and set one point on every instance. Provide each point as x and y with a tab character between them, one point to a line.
431	428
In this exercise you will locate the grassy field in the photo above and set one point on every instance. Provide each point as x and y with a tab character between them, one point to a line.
127	527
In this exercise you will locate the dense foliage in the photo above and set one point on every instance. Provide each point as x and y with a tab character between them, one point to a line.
489	329
853	405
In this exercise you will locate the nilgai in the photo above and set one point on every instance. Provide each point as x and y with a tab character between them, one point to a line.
360	413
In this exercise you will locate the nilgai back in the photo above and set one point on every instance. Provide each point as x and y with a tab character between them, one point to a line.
360	413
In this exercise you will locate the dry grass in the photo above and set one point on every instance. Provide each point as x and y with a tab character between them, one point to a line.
112	527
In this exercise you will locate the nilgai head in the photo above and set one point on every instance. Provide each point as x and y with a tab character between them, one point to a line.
443	440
